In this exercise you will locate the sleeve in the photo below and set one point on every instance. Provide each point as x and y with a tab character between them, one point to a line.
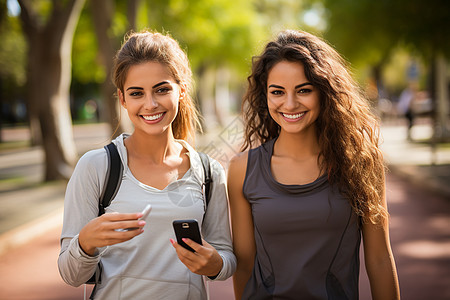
81	206
216	225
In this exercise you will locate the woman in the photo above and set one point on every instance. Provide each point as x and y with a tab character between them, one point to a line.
311	181
153	81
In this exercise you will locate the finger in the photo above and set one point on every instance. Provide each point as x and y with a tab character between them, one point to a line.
183	253
121	216
180	249
122	236
207	245
187	257
126	225
196	246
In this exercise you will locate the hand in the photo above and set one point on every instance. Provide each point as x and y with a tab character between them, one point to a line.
204	261
101	231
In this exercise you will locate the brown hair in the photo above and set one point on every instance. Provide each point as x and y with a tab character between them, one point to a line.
348	132
147	46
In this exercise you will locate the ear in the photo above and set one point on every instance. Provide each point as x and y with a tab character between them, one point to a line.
182	91
121	98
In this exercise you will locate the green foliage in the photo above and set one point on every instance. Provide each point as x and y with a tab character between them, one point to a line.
217	32
384	34
12	51
367	30
85	67
12	64
214	33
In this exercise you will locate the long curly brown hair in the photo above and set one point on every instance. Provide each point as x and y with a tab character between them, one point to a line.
145	46
348	132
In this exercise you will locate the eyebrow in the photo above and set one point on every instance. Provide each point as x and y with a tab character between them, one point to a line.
155	86
297	86
134	88
161	83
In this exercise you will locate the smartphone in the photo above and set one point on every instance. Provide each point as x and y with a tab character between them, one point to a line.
187	229
146	212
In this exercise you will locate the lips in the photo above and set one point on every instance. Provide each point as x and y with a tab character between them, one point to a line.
293	117
153	118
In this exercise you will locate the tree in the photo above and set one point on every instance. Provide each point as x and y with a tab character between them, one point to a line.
369	30
220	37
49	29
12	66
108	44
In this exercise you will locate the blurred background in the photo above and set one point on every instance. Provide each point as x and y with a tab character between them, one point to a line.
57	100
56	58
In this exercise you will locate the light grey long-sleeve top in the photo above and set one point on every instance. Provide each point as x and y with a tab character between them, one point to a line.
147	266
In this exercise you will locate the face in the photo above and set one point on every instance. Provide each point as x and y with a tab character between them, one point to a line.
292	100
151	97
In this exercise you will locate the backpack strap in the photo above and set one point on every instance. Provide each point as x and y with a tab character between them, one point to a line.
112	184
113	178
208	179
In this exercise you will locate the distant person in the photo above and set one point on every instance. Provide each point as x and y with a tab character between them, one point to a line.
404	107
311	182
153	81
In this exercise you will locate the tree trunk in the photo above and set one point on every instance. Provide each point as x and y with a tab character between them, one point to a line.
442	98
132	9
48	82
108	45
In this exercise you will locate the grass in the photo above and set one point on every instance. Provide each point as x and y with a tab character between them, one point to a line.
12	180
440	144
14	145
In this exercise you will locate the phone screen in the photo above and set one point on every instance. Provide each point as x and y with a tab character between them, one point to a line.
187	229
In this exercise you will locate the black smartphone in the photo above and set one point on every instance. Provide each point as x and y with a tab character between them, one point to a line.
187	229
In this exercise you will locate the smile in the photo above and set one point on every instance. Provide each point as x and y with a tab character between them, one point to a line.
293	116
153	117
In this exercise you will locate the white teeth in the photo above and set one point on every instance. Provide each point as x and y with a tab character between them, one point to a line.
152	118
296	116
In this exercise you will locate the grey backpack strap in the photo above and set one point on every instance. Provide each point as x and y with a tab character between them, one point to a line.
208	179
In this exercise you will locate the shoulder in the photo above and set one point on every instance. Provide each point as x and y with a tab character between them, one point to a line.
239	161
93	158
90	168
237	167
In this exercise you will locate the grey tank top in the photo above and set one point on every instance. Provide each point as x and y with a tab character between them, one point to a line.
307	236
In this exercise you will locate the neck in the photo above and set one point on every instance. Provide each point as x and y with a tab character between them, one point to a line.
297	145
152	148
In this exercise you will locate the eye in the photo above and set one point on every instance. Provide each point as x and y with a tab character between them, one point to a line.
163	90
305	91
277	92
135	94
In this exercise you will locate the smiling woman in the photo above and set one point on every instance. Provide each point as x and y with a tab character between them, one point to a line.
151	96
291	99
311	184
161	169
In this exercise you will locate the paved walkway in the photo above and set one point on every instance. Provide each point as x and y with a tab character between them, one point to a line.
418	196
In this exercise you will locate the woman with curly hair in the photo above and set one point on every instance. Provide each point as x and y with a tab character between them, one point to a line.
310	181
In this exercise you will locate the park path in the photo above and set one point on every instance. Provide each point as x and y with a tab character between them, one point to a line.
420	232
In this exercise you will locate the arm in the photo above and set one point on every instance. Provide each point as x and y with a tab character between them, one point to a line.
215	258
83	232
242	224
379	260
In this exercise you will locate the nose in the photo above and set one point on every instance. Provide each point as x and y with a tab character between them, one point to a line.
150	102
291	101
